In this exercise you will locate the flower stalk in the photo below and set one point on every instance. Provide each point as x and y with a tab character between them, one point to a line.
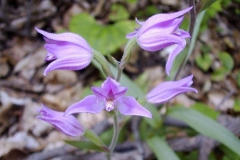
115	134
103	62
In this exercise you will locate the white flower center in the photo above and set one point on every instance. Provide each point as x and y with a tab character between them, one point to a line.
109	106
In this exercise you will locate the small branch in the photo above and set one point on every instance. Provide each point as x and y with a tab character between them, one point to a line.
225	98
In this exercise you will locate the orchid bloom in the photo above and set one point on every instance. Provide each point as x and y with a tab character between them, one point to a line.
68	125
167	90
161	31
67	51
109	96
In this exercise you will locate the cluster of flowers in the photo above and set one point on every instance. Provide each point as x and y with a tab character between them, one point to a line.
69	51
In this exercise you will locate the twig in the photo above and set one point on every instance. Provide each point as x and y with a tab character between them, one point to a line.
225	98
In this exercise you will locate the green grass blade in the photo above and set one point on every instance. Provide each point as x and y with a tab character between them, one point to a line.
206	126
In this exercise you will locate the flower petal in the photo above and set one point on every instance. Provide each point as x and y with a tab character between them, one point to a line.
68	37
182	34
89	104
155	42
65	49
67	125
112	86
172	56
167	90
131	35
69	63
139	22
159	18
129	106
166	27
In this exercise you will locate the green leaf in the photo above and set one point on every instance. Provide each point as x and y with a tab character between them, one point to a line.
101	36
204	4
238	79
206	126
236	106
206	110
118	12
86	145
227	60
161	149
94	138
228	153
219	74
204	62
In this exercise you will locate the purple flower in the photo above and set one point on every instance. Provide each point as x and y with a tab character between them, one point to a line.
161	31
108	96
167	90
67	51
66	124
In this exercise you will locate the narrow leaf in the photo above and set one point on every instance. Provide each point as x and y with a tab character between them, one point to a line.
206	126
206	110
204	4
87	146
161	149
94	138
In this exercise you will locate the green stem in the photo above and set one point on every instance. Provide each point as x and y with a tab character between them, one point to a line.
115	134
119	74
127	52
103	62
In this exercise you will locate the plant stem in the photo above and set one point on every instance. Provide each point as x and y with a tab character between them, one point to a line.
193	16
119	73
115	135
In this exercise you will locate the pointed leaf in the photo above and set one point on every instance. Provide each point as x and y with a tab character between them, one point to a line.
94	138
227	60
204	4
206	126
161	149
86	145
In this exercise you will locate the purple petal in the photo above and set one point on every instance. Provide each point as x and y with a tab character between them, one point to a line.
66	49
99	92
89	104
155	42
172	56
131	35
68	37
167	90
67	125
166	27
50	57
69	63
112	85
129	106
159	18
182	34
139	22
